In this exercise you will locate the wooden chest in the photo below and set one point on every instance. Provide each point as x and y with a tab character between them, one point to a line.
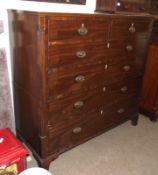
75	76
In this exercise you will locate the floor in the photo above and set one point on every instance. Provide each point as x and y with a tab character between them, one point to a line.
124	150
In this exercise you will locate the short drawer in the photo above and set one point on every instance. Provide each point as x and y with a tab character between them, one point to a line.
96	123
73	29
127	29
76	107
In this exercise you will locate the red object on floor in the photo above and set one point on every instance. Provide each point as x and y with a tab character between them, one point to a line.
12	151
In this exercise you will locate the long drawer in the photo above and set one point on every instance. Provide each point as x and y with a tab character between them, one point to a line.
84	53
67	81
77	29
96	123
68	110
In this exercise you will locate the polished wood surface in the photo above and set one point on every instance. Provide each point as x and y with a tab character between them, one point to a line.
149	94
75	76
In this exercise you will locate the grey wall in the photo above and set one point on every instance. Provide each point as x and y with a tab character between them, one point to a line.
6	109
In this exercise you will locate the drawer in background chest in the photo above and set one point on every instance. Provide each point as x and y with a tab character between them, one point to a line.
129	6
76	107
95	123
77	29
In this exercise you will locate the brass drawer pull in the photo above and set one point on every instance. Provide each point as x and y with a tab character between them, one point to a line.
81	54
127	68
68	1
124	89
121	110
82	30
77	130
132	28
79	104
80	79
129	48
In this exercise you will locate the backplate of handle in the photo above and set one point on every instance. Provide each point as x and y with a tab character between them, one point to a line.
81	54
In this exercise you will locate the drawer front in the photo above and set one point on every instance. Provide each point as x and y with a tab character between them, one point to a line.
59	55
113	64
91	53
98	122
126	30
126	6
77	29
65	82
76	108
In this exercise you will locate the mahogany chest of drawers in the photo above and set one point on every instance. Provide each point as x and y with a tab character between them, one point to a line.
75	76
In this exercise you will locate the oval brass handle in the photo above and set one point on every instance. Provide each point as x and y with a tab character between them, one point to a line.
82	30
129	48
78	104
80	78
81	54
68	1
132	28
121	110
77	130
127	67
124	89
